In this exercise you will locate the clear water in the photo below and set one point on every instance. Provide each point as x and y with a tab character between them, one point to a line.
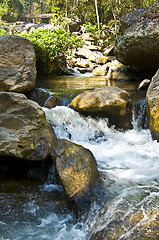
128	163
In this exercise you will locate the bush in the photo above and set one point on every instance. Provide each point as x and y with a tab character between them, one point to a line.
3	32
50	44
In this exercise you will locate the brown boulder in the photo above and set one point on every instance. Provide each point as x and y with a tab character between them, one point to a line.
17	64
77	169
24	132
152	106
110	102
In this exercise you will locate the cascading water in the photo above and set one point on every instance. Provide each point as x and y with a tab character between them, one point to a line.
128	207
128	165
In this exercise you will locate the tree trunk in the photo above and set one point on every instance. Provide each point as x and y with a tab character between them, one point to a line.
97	14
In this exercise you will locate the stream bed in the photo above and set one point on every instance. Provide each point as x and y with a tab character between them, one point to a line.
128	163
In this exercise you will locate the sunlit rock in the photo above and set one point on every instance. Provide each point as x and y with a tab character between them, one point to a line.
115	70
24	132
152	105
110	102
77	169
17	64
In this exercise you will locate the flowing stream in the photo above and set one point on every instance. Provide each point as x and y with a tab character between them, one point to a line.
128	162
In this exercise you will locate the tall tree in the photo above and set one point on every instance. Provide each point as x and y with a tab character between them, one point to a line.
97	14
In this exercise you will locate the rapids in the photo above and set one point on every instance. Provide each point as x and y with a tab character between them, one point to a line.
128	164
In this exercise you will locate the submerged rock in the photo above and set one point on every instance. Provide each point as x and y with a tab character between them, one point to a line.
111	102
77	169
152	103
17	64
24	132
53	101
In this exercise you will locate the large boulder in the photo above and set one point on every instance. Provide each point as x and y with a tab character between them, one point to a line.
24	132
111	102
152	106
139	45
77	169
17	64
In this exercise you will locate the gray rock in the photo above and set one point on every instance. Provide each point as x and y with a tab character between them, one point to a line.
139	46
24	132
17	64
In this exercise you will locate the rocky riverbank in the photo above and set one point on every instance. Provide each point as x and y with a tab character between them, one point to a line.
26	135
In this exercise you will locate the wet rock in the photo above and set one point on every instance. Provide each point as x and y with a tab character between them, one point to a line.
24	132
140	225
39	95
38	173
144	84
53	101
139	45
17	64
111	102
77	169
152	103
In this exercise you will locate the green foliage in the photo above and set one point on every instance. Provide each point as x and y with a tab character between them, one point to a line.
50	44
10	10
89	27
3	32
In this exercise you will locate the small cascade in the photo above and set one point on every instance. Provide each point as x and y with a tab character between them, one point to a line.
139	117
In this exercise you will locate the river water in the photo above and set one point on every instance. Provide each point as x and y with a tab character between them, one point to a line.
128	164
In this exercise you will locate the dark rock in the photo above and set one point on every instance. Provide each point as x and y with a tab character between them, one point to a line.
139	46
53	101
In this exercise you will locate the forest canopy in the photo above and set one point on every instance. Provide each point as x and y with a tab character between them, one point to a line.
93	11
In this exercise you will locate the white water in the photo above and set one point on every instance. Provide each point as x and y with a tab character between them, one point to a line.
128	163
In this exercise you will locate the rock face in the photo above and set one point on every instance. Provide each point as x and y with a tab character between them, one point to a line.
152	103
77	170
135	226
17	64
139	45
111	102
24	132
